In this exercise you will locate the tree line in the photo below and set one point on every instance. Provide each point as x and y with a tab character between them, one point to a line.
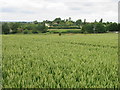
58	23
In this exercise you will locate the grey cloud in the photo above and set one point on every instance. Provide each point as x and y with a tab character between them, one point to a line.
9	10
91	6
49	9
15	10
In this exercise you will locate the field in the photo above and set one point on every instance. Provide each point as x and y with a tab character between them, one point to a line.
64	30
53	61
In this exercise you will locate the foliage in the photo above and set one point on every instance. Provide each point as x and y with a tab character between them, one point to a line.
58	23
87	28
99	28
101	20
26	31
35	22
14	26
42	28
93	28
34	31
57	20
112	27
79	22
5	28
29	26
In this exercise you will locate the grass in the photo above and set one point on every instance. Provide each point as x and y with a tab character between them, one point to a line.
53	61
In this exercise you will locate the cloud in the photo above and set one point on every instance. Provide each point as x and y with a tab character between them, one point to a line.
30	10
16	10
9	10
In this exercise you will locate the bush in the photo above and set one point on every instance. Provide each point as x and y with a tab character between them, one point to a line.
26	31
14	27
5	28
100	28
42	28
93	28
87	28
34	31
112	27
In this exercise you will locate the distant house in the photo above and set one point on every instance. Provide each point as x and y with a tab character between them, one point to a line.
55	23
46	24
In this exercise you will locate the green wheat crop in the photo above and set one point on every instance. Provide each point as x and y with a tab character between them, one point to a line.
53	61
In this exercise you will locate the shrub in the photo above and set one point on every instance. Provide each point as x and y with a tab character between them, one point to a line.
87	28
14	27
5	28
25	31
112	27
34	31
93	28
42	28
100	28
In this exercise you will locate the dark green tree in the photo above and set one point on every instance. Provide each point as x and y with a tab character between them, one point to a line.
101	20
42	28
112	27
5	28
84	21
14	26
87	28
95	21
35	22
30	26
79	22
100	28
57	20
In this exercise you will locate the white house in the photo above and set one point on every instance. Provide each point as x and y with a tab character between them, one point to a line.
46	24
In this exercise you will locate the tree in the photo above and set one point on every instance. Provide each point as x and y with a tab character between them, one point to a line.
30	26
35	22
34	31
95	21
14	26
26	31
62	23
57	20
69	18
69	23
79	22
112	27
84	21
48	22
100	28
5	28
42	28
87	28
101	20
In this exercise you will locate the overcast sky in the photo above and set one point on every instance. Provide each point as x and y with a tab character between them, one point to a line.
30	10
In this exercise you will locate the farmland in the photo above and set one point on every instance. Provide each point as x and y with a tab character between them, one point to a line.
64	30
66	61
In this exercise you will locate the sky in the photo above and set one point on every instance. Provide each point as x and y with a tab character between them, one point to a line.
31	10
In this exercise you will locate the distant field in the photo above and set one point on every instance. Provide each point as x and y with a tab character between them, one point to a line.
64	30
61	29
67	61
